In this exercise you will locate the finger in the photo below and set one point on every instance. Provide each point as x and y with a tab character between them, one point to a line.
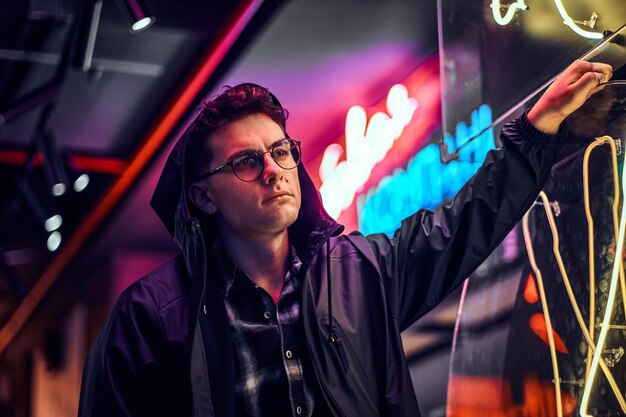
596	89
588	81
605	69
579	68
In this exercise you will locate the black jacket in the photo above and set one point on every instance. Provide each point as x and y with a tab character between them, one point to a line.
155	358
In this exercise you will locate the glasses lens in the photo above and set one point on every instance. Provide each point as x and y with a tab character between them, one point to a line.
286	153
248	167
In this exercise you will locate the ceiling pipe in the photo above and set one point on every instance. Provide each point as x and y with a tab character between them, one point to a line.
86	38
213	57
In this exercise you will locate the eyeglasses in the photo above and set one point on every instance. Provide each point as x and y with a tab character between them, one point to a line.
249	165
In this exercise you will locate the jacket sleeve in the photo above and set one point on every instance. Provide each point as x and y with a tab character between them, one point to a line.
433	252
123	375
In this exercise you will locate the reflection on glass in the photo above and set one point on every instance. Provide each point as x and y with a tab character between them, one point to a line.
508	67
545	334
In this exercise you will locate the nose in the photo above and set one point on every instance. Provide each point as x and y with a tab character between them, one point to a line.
271	172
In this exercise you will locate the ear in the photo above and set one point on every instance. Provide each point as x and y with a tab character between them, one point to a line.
199	196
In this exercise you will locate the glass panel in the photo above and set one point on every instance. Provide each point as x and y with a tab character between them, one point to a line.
506	66
535	312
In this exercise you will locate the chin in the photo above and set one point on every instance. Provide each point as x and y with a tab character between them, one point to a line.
284	220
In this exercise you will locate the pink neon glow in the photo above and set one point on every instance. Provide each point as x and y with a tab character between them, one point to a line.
366	145
330	160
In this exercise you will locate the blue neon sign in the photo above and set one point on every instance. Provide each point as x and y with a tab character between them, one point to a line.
426	182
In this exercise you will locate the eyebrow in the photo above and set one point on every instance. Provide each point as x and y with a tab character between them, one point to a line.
250	151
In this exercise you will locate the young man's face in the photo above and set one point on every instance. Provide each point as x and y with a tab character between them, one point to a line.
264	207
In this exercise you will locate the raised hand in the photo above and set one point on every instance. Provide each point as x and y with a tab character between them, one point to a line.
567	93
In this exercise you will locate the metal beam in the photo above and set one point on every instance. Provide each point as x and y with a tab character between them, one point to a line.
214	56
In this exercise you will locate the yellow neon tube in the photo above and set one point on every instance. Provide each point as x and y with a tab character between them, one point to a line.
570	293
546	311
592	309
521	5
609	308
556	250
510	12
581	323
570	22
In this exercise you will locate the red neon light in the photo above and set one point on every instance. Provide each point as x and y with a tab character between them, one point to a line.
530	290
480	396
367	143
91	164
424	85
214	56
537	324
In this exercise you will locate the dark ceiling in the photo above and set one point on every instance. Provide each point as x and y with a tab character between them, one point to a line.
117	119
105	119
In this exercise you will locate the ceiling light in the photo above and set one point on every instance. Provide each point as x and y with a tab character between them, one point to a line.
53	165
52	223
46	218
81	183
138	14
54	241
79	180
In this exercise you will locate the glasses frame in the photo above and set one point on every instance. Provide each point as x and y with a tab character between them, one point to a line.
261	155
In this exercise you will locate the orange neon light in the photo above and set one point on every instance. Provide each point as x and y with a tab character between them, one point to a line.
83	163
531	295
537	324
153	142
480	396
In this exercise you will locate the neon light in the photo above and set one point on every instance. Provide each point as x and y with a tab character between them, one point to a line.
510	12
544	300
366	145
584	403
568	287
567	20
214	56
426	182
570	22
618	265
531	296
81	163
537	324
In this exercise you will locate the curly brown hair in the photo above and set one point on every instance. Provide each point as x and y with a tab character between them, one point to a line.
232	104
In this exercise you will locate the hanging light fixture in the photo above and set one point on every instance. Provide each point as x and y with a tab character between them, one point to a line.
53	164
138	13
50	220
78	180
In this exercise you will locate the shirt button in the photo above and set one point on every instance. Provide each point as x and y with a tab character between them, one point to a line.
298	410
288	354
267	315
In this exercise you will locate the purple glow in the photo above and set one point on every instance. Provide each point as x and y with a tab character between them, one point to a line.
510	248
318	92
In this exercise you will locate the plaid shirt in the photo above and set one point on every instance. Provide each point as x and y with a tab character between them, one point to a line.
267	337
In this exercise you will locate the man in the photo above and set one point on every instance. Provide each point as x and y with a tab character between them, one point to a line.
269	310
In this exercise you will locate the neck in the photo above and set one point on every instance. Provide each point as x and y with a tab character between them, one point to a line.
263	259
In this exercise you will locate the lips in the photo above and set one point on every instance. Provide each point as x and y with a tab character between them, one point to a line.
277	195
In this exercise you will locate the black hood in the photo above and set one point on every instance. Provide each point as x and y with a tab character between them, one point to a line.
171	204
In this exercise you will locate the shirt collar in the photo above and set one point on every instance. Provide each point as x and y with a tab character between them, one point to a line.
231	272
